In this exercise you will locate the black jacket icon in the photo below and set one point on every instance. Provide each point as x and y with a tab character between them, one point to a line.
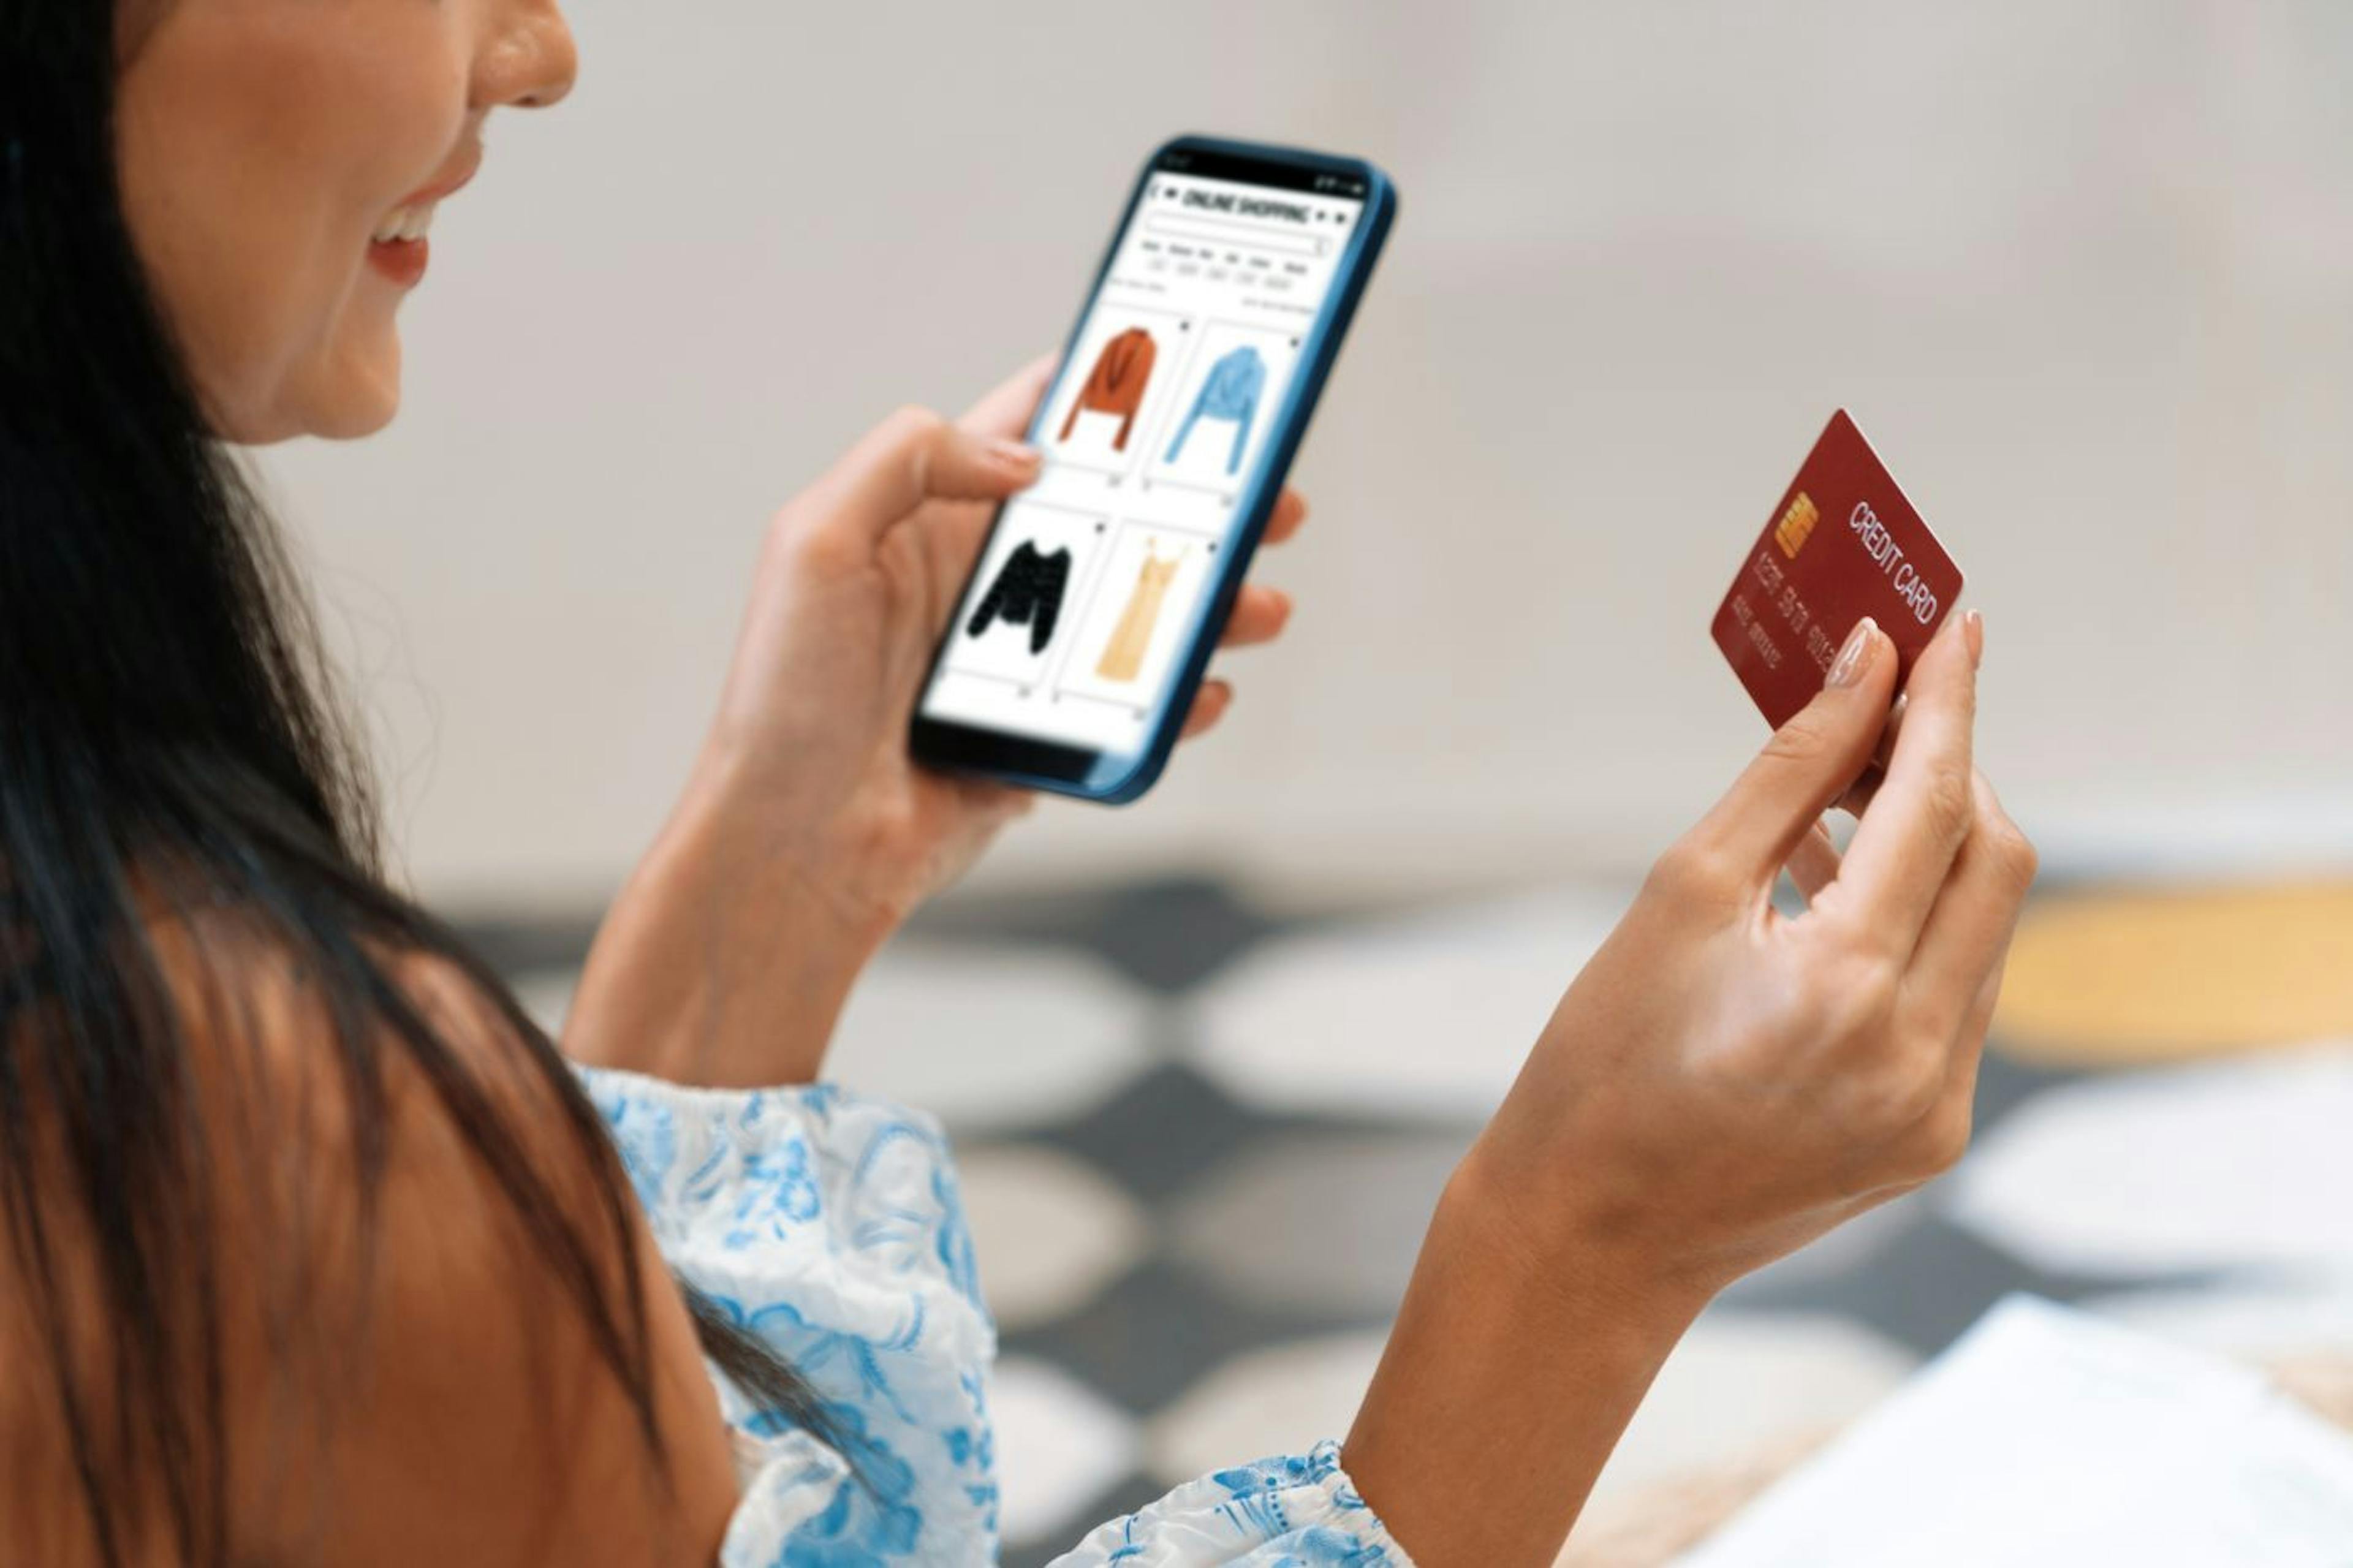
1028	588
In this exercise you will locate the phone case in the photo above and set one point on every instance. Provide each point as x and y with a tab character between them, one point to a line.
1117	778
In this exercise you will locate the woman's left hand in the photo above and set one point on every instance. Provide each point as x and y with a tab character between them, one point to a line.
859	574
808	833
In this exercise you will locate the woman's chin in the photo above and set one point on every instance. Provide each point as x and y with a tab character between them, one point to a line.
341	399
353	422
358	398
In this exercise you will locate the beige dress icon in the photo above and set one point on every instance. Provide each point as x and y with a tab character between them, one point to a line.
1122	656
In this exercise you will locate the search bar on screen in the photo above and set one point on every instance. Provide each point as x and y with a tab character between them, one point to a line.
1228	231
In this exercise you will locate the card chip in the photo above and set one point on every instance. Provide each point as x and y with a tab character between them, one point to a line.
1795	525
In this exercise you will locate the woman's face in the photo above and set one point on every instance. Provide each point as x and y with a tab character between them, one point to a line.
280	162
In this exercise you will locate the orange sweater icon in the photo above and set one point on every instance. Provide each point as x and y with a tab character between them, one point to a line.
1116	383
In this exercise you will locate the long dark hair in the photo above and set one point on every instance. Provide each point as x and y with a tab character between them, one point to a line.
167	742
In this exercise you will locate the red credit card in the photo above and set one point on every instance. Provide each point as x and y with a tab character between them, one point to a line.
1842	545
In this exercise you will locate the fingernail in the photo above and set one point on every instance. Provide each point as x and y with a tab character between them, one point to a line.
1848	669
1973	629
1011	452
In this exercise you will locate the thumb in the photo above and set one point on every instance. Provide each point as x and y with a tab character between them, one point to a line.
1810	761
912	458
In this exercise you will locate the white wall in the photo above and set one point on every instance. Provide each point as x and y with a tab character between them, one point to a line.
2085	271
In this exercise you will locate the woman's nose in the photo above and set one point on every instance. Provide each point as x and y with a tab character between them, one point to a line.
530	61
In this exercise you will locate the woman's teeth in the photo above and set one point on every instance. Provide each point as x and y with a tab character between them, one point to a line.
407	223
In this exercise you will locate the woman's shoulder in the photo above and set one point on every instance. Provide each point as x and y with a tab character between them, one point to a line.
398	1347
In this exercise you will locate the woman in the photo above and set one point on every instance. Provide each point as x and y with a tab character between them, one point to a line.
319	1252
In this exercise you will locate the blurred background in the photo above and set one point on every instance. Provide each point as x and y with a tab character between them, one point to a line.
2085	272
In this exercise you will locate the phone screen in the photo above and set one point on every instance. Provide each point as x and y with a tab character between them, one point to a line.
1095	581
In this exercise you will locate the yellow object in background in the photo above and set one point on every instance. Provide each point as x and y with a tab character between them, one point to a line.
2125	978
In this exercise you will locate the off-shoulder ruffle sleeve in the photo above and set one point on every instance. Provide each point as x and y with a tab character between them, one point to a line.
831	1226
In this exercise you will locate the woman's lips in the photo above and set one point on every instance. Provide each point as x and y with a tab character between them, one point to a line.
402	256
401	260
451	184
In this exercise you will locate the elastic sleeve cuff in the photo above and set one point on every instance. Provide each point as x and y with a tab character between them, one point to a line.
1300	1510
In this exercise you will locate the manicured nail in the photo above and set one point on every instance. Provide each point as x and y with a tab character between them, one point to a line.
1011	452
1850	664
1973	630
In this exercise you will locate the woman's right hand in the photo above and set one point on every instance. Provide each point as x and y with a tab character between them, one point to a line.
1721	1084
1724	1082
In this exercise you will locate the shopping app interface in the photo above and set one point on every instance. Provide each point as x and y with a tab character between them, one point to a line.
1095	575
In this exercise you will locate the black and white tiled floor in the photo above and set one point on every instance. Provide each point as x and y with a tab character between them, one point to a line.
1200	1144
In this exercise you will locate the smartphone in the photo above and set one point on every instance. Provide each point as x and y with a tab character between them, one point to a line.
1183	390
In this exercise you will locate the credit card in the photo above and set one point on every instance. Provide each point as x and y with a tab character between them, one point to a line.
1842	544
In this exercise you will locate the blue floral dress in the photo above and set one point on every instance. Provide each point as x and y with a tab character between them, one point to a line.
830	1226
